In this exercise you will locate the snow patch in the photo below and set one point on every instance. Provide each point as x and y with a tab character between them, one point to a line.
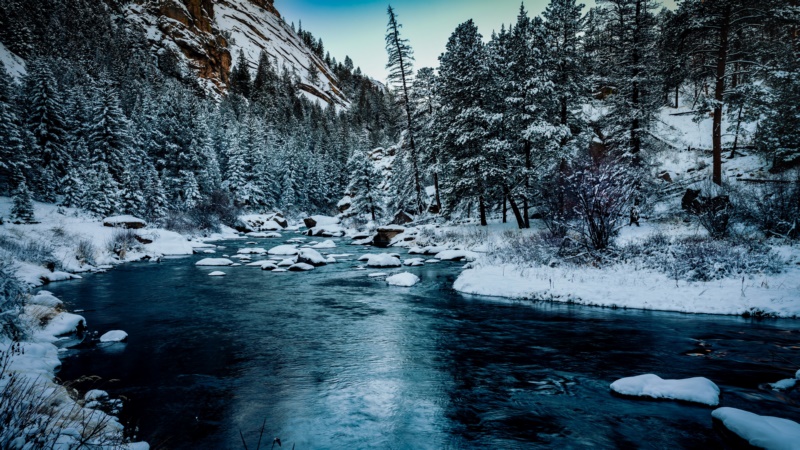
768	432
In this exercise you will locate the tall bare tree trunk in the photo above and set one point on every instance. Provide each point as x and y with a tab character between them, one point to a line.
719	91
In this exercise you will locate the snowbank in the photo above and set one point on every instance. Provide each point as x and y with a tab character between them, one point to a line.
768	432
698	389
456	255
404	279
629	287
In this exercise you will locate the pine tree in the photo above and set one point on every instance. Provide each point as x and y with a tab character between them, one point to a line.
45	121
424	98
629	44
363	185
463	74
400	75
721	35
240	77
22	209
12	152
108	136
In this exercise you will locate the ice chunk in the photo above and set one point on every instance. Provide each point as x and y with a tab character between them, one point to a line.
698	389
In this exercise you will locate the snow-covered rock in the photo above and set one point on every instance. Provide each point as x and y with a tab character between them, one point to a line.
456	255
114	336
286	262
321	221
45	298
259	234
300	267
214	262
414	262
284	250
773	433
64	323
216	273
404	279
429	250
377	274
697	389
783	385
252	251
383	260
324	244
125	221
311	256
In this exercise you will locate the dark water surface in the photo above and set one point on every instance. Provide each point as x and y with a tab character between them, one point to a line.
334	359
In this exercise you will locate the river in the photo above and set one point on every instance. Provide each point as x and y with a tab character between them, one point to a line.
334	359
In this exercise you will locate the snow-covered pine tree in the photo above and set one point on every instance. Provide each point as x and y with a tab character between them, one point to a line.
240	76
190	190
400	76
363	186
102	191
463	74
12	151
22	209
628	47
45	121
425	104
723	38
109	139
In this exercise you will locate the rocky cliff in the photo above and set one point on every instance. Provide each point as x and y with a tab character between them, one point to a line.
208	34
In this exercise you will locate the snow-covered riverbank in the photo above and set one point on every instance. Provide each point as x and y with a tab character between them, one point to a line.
63	244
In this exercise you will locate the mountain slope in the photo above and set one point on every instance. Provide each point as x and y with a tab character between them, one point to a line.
210	33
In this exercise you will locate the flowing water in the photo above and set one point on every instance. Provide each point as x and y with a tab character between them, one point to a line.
334	359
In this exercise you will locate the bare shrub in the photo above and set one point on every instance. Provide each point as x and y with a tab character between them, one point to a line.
85	251
775	207
29	251
717	209
461	236
557	206
527	249
12	294
122	241
702	258
603	193
37	414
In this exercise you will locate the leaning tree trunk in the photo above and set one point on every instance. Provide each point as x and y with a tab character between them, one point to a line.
514	207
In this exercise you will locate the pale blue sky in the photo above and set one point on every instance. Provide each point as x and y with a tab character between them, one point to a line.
357	27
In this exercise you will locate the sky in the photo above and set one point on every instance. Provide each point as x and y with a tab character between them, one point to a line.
357	28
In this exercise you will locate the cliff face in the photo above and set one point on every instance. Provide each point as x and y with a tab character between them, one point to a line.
210	33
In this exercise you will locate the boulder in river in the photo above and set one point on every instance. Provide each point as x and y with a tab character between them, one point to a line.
384	235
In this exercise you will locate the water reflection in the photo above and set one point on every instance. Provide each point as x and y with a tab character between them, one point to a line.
333	359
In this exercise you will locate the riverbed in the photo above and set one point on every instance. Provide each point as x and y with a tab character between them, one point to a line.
332	358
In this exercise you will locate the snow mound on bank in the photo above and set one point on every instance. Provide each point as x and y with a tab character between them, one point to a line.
214	262
768	432
114	336
697	389
63	323
404	279
456	255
